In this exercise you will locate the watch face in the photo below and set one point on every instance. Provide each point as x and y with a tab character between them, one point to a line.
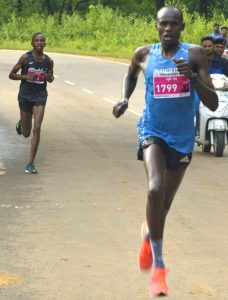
194	75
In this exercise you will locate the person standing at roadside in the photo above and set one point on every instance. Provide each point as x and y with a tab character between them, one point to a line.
224	32
219	46
216	33
216	63
36	70
173	71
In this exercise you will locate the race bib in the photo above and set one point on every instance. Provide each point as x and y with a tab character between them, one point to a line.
168	83
40	75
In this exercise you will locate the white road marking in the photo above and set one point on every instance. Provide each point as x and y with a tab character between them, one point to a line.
69	82
135	112
2	168
122	63
15	206
109	100
88	91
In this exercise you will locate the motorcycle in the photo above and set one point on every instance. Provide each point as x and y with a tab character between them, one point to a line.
212	129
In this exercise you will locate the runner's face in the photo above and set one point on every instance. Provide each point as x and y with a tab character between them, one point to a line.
169	27
208	47
38	42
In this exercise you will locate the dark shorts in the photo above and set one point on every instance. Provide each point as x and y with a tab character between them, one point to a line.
27	106
174	160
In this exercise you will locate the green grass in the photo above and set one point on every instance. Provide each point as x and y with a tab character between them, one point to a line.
102	32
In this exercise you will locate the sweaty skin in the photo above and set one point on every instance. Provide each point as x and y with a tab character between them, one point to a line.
162	183
38	44
169	27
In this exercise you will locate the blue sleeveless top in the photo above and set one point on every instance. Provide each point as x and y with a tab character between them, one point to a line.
169	102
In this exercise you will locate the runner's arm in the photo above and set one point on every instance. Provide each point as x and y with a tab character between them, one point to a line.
13	73
50	72
130	80
203	84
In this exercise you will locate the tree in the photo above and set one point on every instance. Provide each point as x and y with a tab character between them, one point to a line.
160	4
19	6
203	7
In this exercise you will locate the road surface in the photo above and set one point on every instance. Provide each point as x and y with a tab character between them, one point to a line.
72	231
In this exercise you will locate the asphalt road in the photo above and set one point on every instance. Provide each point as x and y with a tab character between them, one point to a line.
72	231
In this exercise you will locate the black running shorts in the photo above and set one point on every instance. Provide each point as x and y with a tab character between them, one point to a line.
174	160
27	106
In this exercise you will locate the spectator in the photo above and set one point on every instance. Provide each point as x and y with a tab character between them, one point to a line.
224	31
217	64
219	46
216	33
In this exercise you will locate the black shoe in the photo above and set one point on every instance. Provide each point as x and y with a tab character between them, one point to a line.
18	127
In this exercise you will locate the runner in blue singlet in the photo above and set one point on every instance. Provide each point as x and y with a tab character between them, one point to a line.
36	70
173	73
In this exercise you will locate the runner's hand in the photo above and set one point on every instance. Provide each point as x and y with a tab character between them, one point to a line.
183	67
32	77
49	77
120	108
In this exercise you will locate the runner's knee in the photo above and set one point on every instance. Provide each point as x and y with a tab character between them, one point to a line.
36	129
26	133
155	192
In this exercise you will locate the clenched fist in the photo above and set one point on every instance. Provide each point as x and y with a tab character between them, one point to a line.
120	108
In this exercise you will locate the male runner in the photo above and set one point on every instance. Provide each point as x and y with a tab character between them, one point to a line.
172	70
36	69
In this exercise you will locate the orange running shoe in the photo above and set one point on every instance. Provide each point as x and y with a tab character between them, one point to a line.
145	253
158	286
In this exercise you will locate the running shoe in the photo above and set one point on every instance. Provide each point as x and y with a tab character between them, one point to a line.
18	127
30	168
158	286
145	253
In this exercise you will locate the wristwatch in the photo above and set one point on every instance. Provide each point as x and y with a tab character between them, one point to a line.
194	76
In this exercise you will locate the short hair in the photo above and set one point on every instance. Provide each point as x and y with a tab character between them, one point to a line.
38	33
216	24
207	38
174	8
220	41
224	27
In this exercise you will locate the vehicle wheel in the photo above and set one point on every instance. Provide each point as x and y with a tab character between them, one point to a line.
206	148
219	138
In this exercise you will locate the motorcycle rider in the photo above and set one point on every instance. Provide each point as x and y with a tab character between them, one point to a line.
217	65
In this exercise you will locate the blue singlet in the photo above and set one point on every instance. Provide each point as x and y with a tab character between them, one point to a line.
169	97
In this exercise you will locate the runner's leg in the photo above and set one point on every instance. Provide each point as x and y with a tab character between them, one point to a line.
155	165
38	113
26	123
163	185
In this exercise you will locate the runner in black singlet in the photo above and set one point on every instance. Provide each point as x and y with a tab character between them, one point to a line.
36	69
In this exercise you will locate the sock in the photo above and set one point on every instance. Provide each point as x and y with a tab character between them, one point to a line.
156	246
147	234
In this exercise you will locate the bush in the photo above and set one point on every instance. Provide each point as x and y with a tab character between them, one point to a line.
102	31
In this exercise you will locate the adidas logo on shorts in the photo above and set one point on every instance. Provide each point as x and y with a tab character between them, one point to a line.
184	159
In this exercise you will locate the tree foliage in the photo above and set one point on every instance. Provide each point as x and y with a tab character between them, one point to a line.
101	31
140	7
